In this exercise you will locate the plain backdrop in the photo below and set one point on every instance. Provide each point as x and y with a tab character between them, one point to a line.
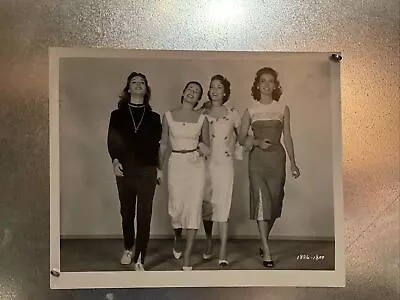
89	89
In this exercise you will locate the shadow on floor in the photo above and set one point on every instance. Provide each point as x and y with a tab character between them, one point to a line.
83	255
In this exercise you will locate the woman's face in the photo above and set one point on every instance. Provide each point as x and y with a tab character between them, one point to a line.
137	86
216	91
192	93
266	84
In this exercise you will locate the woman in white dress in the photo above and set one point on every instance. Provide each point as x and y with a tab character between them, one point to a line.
224	124
187	132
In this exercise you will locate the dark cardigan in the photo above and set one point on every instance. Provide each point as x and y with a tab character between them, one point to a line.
130	148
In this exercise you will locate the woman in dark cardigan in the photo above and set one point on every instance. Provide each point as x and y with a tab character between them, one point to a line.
133	140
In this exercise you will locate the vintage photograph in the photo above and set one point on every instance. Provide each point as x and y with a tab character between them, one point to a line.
195	168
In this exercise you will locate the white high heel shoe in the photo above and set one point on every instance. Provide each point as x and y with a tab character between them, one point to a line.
223	262
139	267
207	256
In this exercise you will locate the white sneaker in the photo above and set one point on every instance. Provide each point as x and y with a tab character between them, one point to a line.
139	267
126	258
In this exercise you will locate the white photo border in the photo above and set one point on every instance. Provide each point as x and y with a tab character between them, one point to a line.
200	278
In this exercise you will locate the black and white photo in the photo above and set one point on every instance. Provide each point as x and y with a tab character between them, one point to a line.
195	168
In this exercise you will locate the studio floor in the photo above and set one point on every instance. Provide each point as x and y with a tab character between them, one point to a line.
80	255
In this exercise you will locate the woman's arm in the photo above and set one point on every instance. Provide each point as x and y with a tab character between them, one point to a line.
163	143
236	124
114	140
244	128
115	145
157	130
244	139
249	141
205	108
288	141
204	145
205	133
155	142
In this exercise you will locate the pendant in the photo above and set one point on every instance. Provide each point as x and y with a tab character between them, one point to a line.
133	120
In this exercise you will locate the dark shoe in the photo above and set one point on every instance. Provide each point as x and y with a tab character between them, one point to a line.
268	263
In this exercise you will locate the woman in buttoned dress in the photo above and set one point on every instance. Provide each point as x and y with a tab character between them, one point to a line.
268	119
186	130
224	123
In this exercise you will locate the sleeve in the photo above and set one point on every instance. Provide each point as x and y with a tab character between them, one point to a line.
114	140
156	135
157	129
152	139
238	149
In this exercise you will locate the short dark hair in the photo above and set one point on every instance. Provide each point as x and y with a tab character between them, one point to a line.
201	90
276	93
126	95
227	86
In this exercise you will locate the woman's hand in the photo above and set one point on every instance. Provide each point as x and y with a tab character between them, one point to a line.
295	171
264	144
204	149
117	167
248	144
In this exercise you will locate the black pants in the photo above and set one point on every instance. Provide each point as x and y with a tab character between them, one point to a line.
137	188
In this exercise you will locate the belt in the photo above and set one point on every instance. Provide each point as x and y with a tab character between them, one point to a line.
184	151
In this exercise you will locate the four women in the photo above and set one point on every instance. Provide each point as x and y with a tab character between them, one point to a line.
200	164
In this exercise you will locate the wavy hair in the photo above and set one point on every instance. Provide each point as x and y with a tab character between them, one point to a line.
227	86
201	90
125	96
276	93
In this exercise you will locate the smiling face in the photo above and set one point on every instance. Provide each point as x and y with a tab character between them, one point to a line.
137	86
266	84
216	92
192	93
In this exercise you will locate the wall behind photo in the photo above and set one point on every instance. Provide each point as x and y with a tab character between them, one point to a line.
89	89
367	32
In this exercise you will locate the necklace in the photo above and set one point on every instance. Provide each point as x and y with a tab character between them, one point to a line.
133	120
